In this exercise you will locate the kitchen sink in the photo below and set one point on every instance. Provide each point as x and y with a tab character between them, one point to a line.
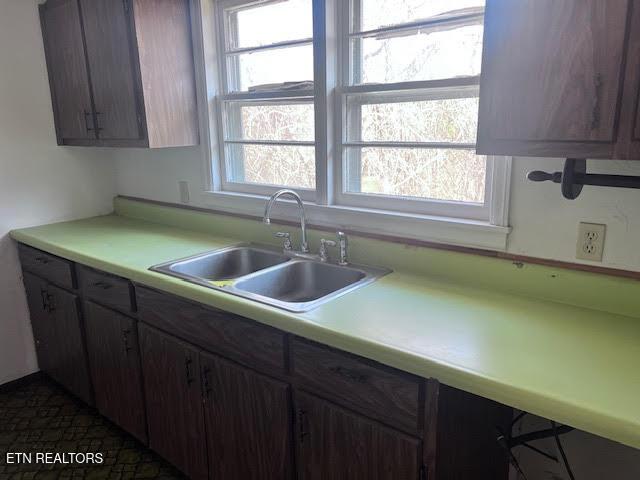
300	281
281	279
225	264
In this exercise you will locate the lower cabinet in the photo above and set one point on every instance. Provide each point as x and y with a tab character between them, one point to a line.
57	330
172	387
114	361
247	422
336	444
250	402
44	333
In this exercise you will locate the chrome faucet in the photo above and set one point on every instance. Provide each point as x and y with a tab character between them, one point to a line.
304	246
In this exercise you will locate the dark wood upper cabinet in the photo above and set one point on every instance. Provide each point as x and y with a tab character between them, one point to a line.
338	444
68	75
555	78
134	60
114	360
247	422
174	401
113	77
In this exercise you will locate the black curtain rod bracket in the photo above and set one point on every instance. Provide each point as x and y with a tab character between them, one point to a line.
574	176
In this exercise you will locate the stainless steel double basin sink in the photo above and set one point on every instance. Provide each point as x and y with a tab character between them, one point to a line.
281	279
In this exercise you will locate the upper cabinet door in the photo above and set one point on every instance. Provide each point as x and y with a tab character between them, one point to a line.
67	67
107	28
628	145
552	77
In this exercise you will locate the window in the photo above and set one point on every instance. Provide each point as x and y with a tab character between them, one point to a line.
375	114
410	96
267	105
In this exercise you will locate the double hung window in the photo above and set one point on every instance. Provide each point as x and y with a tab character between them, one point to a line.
394	86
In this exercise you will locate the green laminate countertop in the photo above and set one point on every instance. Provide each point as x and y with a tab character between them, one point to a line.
579	366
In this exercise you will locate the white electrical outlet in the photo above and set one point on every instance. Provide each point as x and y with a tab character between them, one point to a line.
184	191
590	241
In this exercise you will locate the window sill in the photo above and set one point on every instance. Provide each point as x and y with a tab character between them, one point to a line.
445	230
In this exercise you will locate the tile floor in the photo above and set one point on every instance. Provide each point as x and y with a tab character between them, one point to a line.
41	417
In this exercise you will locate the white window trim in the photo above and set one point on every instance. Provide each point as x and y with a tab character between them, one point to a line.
321	209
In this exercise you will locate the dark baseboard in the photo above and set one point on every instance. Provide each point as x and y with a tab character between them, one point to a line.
20	382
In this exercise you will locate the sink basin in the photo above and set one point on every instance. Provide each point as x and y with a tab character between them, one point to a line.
284	280
300	281
225	264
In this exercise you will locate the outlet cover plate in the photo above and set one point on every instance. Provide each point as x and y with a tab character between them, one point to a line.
590	245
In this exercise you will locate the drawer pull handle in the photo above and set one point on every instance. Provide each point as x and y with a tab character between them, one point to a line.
102	285
349	374
187	364
302	428
125	338
206	383
44	296
42	260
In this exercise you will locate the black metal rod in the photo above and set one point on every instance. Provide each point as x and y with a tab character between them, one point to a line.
595	179
538	435
622	181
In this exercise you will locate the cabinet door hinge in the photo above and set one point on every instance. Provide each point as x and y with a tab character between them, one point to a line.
125	4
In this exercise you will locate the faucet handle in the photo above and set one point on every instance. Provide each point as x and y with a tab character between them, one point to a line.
324	254
287	239
344	245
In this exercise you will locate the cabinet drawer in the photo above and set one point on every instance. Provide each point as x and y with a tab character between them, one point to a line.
229	335
56	269
380	392
107	289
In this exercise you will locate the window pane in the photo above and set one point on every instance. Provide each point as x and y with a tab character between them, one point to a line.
382	13
450	120
272	66
439	174
290	166
265	24
423	56
270	121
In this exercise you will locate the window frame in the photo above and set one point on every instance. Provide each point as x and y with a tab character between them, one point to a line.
229	94
323	205
349	87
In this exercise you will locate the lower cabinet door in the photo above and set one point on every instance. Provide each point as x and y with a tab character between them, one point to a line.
41	322
114	360
337	444
71	369
248	422
173	395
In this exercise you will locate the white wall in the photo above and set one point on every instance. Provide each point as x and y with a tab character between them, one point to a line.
39	181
